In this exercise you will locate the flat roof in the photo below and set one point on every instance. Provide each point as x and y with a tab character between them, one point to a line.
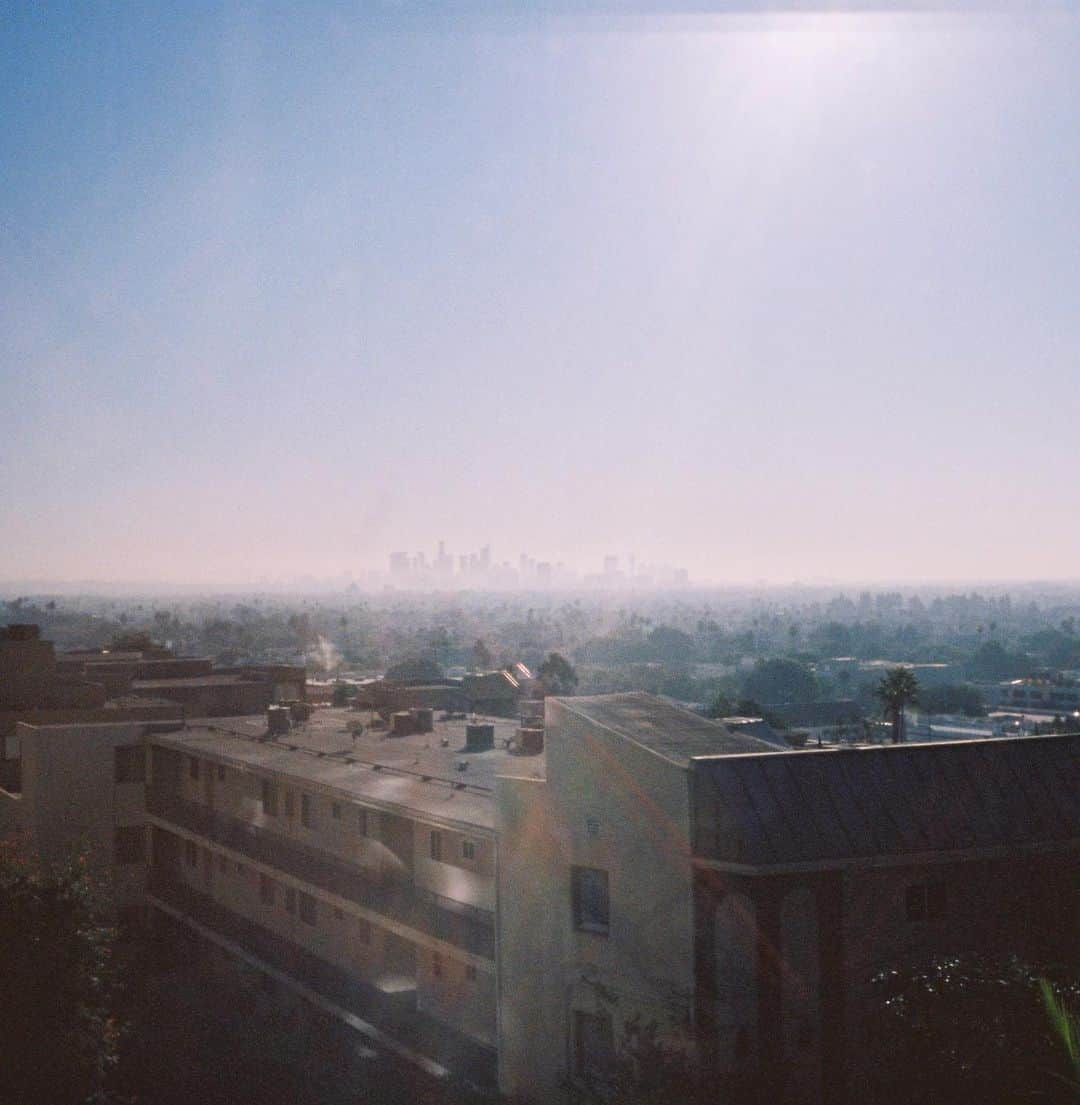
415	772
664	728
214	680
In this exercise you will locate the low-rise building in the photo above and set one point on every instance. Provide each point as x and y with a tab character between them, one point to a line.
503	907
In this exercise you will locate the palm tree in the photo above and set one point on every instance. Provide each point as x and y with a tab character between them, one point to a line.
898	690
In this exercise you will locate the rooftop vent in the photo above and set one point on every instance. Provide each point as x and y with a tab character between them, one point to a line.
530	740
479	737
278	720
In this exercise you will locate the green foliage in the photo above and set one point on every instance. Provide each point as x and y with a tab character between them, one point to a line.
416	669
131	641
648	1068
557	675
60	985
481	657
953	698
992	661
897	690
973	1030
780	680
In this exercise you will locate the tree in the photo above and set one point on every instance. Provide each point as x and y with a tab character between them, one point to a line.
416	669
897	690
60	985
131	641
969	1029
557	675
481	656
780	680
953	698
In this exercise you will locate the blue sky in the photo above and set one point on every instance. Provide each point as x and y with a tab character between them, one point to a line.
283	290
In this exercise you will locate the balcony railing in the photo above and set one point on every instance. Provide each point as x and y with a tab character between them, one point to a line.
474	931
395	1013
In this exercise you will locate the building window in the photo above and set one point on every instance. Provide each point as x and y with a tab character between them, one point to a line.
191	853
436	844
338	915
131	764
290	900
589	894
436	965
362	822
925	901
290	804
221	773
363	931
130	844
308	913
468	849
594	1045
193	767
470	972
223	864
266	890
305	810
335	811
240	869
269	798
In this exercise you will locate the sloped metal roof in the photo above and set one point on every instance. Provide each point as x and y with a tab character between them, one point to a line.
886	801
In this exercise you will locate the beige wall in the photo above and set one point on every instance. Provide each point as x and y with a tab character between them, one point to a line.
337	935
609	804
71	799
470	882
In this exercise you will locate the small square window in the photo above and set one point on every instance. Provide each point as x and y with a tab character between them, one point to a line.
130	844
590	899
131	764
436	844
193	767
468	849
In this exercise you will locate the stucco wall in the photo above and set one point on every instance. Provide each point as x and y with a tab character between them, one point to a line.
610	804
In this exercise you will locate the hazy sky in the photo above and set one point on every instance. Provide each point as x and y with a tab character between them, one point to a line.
283	289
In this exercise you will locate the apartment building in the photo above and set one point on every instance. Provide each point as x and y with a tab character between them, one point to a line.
503	912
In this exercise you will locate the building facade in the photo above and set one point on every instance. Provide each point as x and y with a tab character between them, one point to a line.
502	908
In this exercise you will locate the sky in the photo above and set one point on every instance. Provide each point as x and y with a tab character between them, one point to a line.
284	288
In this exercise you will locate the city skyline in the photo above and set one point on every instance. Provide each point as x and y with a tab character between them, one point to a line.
280	294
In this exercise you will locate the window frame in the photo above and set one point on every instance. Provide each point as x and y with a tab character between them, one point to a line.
580	906
435	845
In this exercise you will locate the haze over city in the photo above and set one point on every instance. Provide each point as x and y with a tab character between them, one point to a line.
767	299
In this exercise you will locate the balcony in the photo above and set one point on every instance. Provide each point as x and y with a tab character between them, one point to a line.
472	931
395	1014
